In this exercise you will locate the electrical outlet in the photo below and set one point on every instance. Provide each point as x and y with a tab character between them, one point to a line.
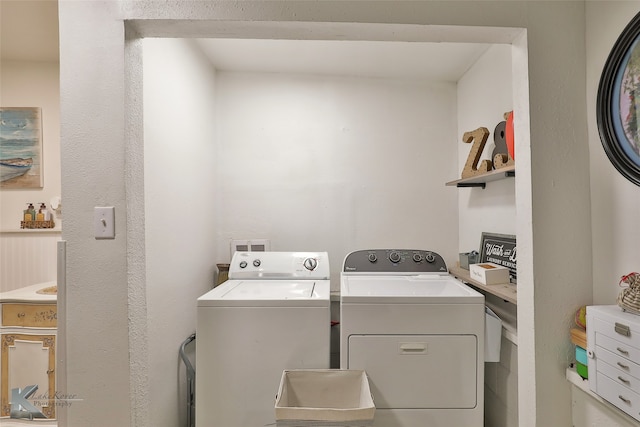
239	246
253	245
259	245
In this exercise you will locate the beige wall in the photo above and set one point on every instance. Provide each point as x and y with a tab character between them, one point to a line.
28	257
33	84
614	200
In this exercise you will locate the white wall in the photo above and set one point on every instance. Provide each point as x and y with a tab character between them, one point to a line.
33	84
103	291
180	211
93	148
484	95
336	164
560	220
29	257
339	174
615	201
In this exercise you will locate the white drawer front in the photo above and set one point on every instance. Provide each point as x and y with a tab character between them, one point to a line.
622	349
418	371
619	377
623	364
619	396
620	330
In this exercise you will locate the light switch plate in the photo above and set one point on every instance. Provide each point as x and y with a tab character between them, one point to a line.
104	222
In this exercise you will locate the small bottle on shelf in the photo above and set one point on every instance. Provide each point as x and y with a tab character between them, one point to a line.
32	211
28	214
43	213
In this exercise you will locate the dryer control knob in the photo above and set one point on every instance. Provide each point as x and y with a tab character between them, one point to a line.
243	264
373	258
417	257
256	263
310	264
429	257
394	257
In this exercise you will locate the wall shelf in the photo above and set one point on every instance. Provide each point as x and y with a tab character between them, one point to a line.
506	291
32	230
482	179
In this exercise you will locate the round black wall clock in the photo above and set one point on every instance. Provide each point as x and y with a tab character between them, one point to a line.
618	103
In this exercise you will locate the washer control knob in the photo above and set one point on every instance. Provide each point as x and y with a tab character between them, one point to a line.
417	257
429	257
256	263
243	264
310	264
394	257
373	258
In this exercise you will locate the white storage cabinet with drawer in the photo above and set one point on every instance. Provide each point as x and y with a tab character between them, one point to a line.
613	347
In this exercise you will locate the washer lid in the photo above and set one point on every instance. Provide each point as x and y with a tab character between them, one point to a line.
267	293
407	290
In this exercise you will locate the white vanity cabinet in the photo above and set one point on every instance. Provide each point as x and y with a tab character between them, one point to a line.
28	325
613	347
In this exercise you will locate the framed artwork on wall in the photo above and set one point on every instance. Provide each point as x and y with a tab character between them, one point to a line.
20	148
618	103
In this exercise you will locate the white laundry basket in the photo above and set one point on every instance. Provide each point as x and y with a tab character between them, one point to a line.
324	397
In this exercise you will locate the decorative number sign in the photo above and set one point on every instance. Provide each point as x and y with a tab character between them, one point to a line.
502	155
500	249
479	139
510	140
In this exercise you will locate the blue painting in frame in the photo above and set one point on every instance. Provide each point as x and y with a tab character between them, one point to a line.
20	148
618	103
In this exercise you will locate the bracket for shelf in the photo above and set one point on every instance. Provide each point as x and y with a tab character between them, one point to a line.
471	184
510	174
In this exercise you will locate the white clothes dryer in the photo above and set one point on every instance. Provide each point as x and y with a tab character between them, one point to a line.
272	314
418	333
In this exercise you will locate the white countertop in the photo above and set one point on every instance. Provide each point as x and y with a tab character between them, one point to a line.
29	294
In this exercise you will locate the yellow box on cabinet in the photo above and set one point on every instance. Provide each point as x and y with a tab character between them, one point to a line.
489	273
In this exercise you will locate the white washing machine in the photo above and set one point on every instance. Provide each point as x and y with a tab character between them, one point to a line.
272	314
418	333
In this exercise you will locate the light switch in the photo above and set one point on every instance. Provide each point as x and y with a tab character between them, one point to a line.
104	222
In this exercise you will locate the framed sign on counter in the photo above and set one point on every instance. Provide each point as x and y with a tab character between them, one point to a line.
500	249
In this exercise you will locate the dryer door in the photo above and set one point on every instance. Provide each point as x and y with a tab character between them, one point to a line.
418	371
